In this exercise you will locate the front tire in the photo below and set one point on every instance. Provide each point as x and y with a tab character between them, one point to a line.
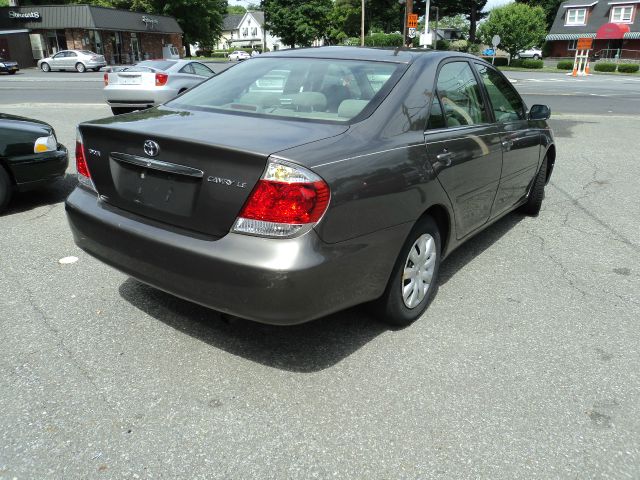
80	68
45	67
414	277
534	201
6	189
536	57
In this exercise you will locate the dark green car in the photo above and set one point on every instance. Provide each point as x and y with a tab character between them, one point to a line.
30	155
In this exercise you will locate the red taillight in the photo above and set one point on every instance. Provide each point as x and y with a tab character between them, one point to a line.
291	203
161	79
106	79
81	161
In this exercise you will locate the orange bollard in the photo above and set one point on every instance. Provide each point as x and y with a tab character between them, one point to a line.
575	71
586	69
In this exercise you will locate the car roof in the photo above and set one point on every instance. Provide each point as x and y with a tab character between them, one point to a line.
396	55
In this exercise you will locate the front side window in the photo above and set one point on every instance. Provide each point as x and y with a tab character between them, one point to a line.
505	101
622	14
460	95
296	88
576	16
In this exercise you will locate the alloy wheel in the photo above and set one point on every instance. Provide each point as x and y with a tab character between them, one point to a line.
418	270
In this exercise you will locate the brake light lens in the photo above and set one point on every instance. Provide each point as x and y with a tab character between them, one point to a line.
287	201
84	176
161	79
106	79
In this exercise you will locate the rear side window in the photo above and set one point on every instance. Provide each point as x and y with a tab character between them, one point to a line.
188	68
202	70
505	101
460	95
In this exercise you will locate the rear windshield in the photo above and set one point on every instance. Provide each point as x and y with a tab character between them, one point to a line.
314	89
154	64
87	52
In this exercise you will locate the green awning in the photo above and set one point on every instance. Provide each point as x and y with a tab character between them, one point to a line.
631	36
569	36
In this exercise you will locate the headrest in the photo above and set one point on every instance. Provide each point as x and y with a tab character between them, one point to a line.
350	108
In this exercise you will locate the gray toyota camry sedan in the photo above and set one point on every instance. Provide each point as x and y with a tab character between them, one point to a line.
307	181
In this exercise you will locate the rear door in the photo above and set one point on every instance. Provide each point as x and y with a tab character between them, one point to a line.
70	59
463	145
520	140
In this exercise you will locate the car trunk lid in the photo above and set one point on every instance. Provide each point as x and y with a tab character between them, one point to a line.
205	167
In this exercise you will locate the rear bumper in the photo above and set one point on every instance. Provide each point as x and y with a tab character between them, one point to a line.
135	96
275	281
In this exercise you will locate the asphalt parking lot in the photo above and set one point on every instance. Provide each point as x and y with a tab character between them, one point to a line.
525	366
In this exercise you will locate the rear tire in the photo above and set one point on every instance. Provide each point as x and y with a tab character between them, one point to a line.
6	189
80	68
414	278
536	195
45	67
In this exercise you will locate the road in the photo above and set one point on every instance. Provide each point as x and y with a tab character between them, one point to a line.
601	94
525	366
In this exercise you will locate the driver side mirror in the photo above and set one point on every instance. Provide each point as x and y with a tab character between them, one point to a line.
539	112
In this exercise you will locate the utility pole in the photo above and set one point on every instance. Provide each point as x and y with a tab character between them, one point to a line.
409	11
362	25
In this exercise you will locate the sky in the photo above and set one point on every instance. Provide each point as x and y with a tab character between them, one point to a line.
490	3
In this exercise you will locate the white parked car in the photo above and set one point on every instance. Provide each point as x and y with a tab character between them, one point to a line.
151	83
79	60
533	52
239	55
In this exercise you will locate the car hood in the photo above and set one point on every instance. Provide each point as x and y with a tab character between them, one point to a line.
14	122
250	134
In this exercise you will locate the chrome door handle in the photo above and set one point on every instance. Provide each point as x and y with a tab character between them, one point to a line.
444	158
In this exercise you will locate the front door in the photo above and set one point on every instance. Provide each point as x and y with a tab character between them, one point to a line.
463	145
520	140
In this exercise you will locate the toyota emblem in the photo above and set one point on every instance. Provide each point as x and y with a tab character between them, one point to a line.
151	148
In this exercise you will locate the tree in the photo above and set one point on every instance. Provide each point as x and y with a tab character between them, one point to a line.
519	27
459	22
550	8
236	10
471	9
297	22
344	20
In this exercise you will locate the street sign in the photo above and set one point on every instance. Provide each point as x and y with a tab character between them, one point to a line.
412	32
584	44
412	21
495	41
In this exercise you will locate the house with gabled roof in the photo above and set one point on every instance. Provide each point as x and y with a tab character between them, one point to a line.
247	31
614	26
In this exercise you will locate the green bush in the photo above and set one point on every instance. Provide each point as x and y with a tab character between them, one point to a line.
459	46
565	65
517	63
384	40
530	63
546	49
474	48
605	67
442	45
628	67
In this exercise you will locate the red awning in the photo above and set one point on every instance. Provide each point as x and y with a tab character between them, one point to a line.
611	31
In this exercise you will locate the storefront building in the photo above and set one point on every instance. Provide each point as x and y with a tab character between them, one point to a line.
613	24
123	37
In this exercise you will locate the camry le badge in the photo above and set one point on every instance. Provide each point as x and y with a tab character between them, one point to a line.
151	148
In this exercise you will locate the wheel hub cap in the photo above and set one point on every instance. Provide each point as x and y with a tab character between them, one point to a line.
418	270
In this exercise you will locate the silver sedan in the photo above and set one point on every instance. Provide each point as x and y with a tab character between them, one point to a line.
79	60
151	83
